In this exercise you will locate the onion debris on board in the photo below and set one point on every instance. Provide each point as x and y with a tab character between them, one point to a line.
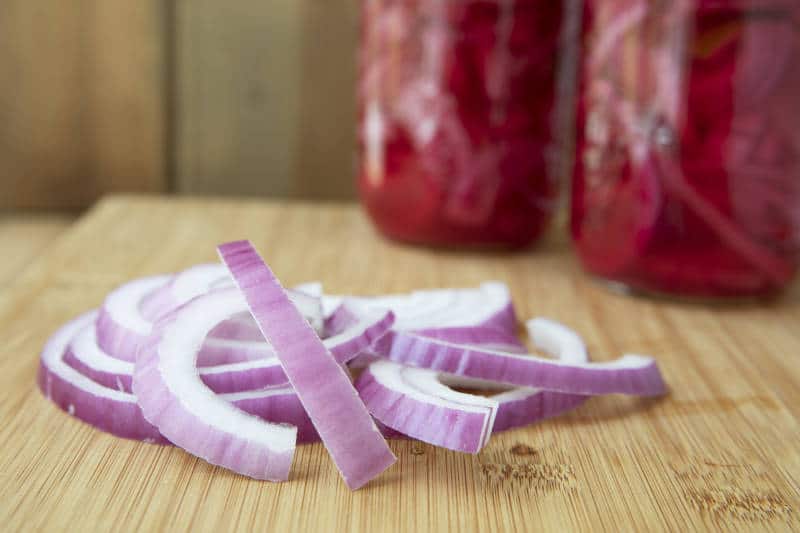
225	363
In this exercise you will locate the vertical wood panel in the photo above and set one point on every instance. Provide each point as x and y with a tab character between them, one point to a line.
265	97
237	99
125	94
326	152
41	152
81	100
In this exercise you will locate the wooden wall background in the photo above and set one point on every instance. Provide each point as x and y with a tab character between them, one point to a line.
247	97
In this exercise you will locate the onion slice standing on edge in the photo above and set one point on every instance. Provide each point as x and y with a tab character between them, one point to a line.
356	445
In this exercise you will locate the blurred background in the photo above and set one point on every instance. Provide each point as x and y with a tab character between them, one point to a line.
200	97
682	127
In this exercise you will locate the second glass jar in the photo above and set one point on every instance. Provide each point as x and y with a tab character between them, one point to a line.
687	176
458	119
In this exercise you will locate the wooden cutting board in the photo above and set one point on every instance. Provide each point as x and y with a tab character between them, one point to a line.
721	452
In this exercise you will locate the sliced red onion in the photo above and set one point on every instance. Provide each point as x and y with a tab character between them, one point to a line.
85	356
486	337
121	327
197	280
396	402
522	406
413	402
346	344
223	351
93	403
558	340
311	288
359	336
105	408
204	278
339	320
240	327
243	327
310	307
188	413
277	404
489	305
188	284
224	365
459	315
248	375
343	423
630	374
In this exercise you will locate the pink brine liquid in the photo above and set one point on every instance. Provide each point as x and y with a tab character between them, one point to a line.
687	176
456	113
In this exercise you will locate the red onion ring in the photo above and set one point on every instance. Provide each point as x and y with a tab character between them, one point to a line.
104	408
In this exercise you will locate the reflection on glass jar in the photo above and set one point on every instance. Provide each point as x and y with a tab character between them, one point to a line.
456	112
687	178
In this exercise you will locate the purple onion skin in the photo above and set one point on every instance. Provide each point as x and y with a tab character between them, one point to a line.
409	349
325	390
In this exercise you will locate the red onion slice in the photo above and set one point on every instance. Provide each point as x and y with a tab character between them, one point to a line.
121	327
192	282
200	279
224	365
276	404
405	399
487	337
413	402
522	406
223	351
85	356
343	423
105	408
93	402
489	305
630	374
242	326
458	315
174	399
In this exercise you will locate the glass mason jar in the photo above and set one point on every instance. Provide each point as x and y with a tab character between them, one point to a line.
687	176
457	129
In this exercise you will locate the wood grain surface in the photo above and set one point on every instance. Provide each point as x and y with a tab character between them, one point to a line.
719	453
24	236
